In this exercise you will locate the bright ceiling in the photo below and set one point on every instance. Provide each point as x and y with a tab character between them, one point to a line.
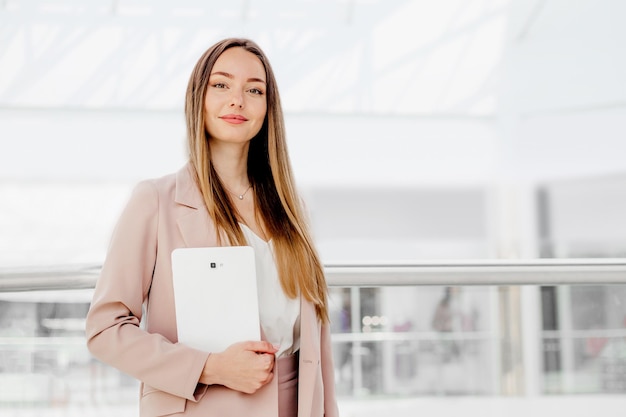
330	56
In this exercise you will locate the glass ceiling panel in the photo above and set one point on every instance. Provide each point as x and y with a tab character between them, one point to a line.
398	57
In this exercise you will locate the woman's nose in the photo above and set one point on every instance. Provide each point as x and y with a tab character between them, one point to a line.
236	100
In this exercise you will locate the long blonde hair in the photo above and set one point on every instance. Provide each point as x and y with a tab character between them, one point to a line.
269	172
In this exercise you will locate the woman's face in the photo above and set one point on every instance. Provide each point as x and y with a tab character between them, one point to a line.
235	103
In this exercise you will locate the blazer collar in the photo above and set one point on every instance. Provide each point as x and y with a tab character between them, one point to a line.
187	192
197	229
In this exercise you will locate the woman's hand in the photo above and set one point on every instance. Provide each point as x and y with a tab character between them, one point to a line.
244	366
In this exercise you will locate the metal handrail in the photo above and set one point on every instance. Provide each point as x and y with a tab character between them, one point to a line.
482	272
452	272
56	277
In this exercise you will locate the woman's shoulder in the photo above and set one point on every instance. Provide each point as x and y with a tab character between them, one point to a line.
165	185
170	191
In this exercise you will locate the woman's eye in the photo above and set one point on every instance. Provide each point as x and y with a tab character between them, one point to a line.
219	85
256	91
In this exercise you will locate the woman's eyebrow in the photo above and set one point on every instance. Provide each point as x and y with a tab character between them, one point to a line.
231	76
225	74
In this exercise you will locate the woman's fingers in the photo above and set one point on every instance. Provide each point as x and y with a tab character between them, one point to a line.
244	366
259	346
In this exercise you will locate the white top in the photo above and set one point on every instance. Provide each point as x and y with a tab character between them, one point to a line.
280	315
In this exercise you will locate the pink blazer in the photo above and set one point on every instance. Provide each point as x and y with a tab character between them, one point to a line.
136	286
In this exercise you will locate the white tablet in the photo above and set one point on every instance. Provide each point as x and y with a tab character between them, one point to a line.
215	293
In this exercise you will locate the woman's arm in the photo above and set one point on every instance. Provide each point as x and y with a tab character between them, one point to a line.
113	327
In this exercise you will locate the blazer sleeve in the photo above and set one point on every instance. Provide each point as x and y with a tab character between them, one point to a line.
113	330
328	373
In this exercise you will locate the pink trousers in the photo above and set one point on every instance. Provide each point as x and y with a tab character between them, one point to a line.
287	372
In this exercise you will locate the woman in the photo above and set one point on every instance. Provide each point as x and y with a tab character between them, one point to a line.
237	189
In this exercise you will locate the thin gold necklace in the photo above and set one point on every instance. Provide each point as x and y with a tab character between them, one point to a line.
240	196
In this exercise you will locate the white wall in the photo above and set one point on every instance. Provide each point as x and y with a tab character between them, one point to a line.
585	216
84	145
411	187
562	105
325	149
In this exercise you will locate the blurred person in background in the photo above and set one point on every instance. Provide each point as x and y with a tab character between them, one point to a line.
446	319
236	189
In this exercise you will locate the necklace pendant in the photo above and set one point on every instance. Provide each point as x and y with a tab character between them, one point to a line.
242	195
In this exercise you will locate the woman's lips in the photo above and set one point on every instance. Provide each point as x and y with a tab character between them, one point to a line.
233	118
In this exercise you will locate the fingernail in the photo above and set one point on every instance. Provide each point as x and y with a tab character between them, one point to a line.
276	347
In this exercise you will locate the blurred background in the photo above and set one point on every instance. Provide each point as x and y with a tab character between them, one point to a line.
419	131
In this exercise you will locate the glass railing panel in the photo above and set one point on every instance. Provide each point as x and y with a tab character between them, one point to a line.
479	340
412	340
45	367
397	348
583	339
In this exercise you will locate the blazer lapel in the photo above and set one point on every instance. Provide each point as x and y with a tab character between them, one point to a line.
194	223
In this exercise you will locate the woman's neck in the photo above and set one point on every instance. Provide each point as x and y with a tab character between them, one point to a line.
231	164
